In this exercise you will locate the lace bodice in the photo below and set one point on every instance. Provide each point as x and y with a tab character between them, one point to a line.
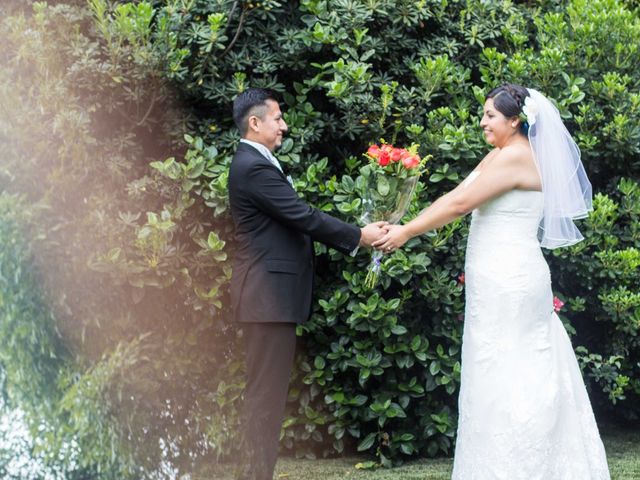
513	216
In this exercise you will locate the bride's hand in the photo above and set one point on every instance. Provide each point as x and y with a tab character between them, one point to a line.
395	237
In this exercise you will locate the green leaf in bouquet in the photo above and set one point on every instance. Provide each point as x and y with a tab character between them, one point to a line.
383	186
393	183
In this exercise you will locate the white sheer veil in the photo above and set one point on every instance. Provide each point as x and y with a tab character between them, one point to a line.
565	186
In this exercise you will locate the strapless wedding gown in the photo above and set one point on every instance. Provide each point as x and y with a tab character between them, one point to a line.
524	410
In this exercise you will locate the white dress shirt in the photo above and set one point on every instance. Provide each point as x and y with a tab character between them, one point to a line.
264	151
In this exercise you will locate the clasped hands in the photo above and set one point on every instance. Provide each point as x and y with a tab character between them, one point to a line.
383	236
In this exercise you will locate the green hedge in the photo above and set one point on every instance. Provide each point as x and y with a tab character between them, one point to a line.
116	129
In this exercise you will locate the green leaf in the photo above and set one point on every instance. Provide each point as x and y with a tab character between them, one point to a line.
287	145
383	185
399	330
367	443
319	363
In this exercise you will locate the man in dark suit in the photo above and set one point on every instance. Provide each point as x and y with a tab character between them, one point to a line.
272	278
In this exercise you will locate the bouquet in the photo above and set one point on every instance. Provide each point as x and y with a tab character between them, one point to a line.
391	178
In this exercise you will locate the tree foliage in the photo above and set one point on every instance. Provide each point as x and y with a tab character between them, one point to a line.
117	135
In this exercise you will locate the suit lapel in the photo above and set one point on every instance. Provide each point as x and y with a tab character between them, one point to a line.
246	148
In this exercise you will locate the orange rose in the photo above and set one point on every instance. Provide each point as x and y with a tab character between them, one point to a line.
411	161
373	151
396	154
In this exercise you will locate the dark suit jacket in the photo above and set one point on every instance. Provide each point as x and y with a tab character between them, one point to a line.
273	265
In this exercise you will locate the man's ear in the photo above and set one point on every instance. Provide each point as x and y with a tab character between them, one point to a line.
253	123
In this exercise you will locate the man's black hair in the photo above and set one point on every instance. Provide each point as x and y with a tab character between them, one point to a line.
249	103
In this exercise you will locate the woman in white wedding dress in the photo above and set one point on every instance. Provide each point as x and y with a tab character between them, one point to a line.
524	409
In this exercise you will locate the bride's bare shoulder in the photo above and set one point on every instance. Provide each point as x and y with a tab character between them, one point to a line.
518	159
487	158
511	155
517	151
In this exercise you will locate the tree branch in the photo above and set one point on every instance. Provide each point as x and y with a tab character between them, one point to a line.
235	37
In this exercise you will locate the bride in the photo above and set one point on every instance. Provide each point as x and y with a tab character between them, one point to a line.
524	410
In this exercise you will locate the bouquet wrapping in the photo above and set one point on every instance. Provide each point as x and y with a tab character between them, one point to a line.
391	178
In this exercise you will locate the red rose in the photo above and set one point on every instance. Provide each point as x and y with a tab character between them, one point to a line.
404	153
374	151
383	158
396	154
411	161
386	148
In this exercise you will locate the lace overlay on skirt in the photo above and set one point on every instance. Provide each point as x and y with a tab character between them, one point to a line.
524	409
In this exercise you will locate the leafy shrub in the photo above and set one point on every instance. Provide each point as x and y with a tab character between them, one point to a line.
119	138
605	298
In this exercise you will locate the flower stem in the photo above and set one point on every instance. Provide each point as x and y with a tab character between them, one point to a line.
374	270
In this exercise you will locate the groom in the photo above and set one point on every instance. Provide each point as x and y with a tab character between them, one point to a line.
273	270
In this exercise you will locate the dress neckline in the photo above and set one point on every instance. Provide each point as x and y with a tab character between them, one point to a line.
476	173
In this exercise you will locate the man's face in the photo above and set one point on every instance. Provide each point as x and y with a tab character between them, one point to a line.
269	129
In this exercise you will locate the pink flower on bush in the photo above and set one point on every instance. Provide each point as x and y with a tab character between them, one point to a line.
557	304
461	279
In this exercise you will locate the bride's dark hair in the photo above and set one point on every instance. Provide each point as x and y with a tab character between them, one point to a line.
509	100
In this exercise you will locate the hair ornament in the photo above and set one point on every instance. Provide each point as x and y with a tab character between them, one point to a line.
531	110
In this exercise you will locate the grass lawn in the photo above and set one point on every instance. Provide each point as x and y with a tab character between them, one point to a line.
623	453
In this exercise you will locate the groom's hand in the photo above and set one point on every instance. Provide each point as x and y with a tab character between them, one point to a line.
395	236
371	233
